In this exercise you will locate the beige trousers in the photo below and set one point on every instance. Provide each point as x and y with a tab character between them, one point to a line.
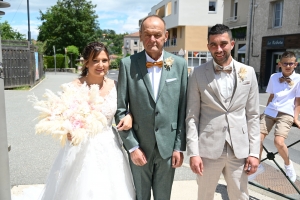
233	172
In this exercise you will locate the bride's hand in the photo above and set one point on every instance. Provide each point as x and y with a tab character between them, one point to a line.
125	123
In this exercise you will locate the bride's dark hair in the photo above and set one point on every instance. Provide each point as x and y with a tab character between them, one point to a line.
92	50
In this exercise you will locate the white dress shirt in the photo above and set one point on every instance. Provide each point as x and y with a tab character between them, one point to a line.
225	81
154	74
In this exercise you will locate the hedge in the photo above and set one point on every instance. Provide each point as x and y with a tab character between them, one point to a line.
60	61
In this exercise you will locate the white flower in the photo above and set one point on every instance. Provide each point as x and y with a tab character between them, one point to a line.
168	62
75	110
242	73
291	84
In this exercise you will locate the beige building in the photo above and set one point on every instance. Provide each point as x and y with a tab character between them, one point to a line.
132	44
275	28
236	18
188	22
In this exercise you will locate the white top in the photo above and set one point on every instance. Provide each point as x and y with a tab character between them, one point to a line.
225	81
284	95
154	74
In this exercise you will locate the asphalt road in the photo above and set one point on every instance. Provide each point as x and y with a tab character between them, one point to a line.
31	155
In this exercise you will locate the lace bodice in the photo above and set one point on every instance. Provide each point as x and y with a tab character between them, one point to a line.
110	105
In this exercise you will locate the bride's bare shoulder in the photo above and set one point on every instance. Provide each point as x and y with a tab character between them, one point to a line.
78	81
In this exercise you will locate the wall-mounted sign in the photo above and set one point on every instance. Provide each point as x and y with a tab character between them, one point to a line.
275	42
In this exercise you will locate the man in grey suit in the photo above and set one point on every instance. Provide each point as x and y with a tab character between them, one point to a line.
222	119
152	87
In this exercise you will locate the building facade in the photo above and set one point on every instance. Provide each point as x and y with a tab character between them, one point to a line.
236	18
188	22
275	28
132	44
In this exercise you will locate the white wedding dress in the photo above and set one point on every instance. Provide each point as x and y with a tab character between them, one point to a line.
95	170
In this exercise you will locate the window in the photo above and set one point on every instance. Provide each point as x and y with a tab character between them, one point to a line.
235	9
135	51
135	42
278	8
169	9
175	7
212	6
197	58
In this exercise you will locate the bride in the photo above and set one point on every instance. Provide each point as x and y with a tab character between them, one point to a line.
97	168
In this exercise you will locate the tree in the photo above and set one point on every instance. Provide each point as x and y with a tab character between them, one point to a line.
8	33
69	22
113	41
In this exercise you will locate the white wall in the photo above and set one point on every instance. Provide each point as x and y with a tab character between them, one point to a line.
191	13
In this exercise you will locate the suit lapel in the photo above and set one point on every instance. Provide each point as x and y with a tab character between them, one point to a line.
210	75
141	63
237	85
164	75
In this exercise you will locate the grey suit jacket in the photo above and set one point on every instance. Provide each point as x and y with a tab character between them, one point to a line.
207	115
160	122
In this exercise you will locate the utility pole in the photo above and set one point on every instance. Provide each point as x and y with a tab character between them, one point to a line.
5	193
29	34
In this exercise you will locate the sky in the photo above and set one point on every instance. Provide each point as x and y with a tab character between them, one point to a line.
119	15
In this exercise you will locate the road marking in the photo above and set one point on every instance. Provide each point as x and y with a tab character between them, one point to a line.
112	73
262	106
37	84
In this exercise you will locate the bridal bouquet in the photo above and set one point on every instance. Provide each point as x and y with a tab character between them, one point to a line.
75	110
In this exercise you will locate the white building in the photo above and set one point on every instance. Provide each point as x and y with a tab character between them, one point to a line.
132	44
188	22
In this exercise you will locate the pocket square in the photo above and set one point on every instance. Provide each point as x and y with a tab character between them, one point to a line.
246	82
171	79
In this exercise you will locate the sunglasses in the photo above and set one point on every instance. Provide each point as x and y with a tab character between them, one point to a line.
288	64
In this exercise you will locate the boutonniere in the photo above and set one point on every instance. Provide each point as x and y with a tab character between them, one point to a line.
291	84
242	73
168	62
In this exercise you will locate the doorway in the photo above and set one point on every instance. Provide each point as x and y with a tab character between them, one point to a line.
274	63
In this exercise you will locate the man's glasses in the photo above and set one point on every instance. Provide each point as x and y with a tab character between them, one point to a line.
288	64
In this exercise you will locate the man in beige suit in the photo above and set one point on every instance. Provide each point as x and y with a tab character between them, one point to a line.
222	119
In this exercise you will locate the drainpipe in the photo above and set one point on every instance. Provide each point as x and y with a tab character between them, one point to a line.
249	31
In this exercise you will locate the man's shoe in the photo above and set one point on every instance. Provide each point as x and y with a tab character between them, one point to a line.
260	169
290	172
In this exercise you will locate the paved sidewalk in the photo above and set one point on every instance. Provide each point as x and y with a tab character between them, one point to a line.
182	190
30	160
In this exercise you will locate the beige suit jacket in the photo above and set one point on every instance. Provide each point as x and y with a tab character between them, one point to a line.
208	117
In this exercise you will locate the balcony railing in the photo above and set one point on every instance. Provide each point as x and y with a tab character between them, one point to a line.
170	42
232	19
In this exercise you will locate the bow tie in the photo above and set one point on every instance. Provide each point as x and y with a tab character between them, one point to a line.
151	64
286	79
219	69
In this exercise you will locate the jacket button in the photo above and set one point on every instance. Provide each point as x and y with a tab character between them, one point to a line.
156	113
156	129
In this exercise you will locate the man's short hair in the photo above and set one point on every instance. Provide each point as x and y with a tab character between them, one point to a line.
141	26
219	29
288	54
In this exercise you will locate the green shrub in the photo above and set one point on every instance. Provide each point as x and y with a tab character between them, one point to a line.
60	61
115	63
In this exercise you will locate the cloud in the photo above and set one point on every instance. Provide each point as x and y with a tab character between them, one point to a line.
121	16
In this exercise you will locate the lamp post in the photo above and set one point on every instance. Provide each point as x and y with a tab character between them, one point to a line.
4	166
